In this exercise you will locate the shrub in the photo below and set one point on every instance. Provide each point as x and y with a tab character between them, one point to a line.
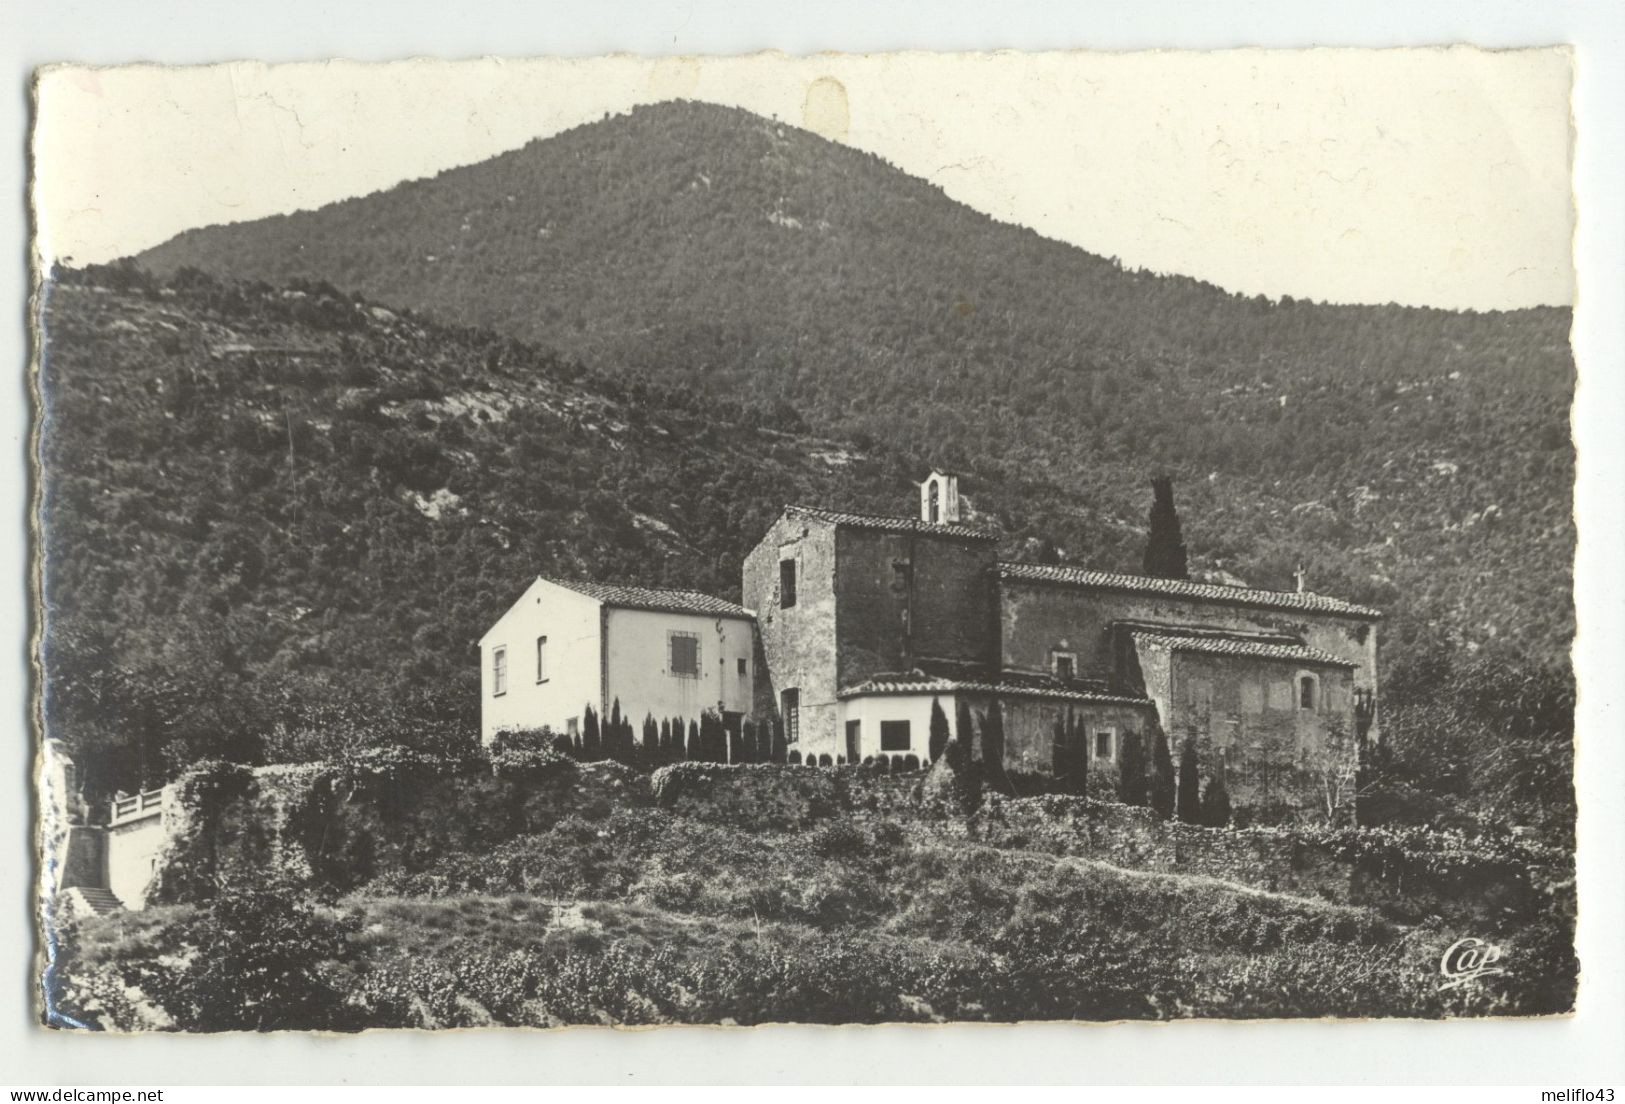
264	960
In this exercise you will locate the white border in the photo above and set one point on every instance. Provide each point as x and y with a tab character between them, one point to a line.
1581	1050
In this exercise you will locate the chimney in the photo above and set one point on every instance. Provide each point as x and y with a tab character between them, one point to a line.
1301	577
939	498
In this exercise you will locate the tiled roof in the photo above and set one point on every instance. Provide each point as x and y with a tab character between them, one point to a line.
652	598
1232	646
892	524
1005	685
1184	588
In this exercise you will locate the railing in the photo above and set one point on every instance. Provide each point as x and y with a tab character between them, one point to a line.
130	808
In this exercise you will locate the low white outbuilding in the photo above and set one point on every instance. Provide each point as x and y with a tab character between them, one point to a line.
564	646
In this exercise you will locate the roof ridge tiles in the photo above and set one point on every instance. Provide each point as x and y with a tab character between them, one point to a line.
1068	574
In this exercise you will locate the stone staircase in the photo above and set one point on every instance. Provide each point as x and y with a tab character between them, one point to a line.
92	900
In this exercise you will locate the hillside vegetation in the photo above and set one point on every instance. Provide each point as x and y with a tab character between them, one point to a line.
1416	458
642	917
281	518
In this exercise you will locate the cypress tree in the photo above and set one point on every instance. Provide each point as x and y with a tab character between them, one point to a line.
1162	776
1165	545
1071	756
1216	801
753	753
666	754
781	751
939	731
993	747
613	733
696	750
1190	801
736	745
591	744
1080	761
1131	779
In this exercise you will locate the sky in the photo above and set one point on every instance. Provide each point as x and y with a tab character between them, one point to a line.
1421	177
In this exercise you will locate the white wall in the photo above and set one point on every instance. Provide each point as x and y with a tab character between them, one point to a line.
869	711
570	621
639	665
132	848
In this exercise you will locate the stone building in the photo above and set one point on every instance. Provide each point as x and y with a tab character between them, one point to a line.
865	620
853	625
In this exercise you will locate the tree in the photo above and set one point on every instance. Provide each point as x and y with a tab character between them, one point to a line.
1165	545
939	731
696	746
616	734
1071	756
1216	800
592	745
651	737
749	742
993	747
781	751
1132	786
1190	798
1162	776
265	960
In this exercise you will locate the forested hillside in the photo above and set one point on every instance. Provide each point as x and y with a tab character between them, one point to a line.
1414	458
271	510
266	507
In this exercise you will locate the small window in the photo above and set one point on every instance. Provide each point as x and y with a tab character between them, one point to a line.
685	655
1105	744
894	736
787	583
1307	692
791	703
854	740
902	576
541	659
744	667
1064	664
499	672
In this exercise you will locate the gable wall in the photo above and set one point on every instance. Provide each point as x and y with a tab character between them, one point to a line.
797	644
570	621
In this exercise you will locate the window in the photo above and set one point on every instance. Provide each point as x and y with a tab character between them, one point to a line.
1105	744
541	659
499	672
791	708
854	740
744	667
902	576
1306	691
1064	664
787	583
685	655
934	493
894	736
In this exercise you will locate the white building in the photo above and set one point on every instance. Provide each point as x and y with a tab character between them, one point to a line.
566	645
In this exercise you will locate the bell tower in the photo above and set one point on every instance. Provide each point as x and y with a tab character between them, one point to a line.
939	498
